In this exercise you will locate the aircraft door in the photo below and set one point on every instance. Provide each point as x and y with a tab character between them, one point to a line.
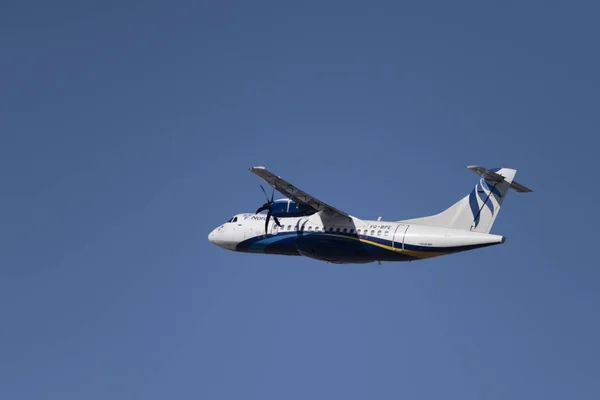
237	229
249	231
399	236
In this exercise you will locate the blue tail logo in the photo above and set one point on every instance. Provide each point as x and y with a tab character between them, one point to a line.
484	192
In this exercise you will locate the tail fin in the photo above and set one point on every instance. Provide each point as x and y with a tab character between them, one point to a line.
478	210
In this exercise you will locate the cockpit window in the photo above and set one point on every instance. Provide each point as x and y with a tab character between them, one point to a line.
234	219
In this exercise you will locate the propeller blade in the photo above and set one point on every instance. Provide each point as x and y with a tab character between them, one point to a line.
272	195
267	222
262	208
277	221
263	189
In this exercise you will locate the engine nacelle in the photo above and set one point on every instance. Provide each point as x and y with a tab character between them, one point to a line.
287	208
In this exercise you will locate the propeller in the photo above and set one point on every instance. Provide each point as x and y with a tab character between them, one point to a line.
267	206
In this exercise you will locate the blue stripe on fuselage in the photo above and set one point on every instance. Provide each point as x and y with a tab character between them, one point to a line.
359	246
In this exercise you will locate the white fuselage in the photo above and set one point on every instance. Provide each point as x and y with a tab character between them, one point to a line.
345	240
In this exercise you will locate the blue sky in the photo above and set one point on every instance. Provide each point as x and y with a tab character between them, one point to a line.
126	131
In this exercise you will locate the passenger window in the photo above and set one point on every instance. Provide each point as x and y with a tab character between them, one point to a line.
289	227
310	228
378	233
345	230
351	230
330	229
337	230
323	229
372	232
386	233
358	230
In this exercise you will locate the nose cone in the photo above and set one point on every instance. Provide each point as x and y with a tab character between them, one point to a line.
218	237
215	237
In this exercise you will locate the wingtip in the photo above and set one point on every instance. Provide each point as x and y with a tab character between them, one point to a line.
257	167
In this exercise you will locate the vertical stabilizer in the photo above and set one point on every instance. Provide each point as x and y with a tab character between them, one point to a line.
478	210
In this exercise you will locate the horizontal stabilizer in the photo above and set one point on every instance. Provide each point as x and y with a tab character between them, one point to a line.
492	176
516	186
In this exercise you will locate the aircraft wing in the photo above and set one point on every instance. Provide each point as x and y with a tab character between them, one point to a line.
297	195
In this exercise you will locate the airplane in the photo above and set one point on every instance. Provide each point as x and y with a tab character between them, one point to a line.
302	225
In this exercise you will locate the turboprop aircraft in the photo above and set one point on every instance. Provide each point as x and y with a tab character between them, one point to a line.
301	225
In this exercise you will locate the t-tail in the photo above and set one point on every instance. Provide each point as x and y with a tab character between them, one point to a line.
478	210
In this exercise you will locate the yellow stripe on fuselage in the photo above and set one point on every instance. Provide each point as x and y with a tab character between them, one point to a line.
412	253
